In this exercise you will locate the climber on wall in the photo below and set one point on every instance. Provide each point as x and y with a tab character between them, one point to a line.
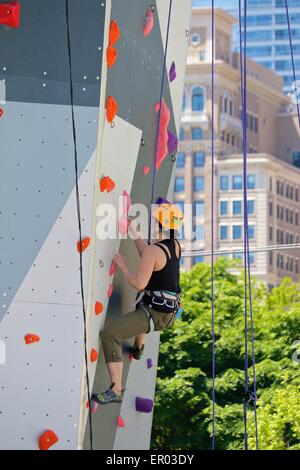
157	281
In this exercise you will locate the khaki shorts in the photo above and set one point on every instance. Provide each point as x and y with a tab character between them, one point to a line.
129	326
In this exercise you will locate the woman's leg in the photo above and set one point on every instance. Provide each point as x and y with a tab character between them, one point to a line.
133	324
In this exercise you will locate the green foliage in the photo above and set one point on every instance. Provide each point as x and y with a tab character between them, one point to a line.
183	409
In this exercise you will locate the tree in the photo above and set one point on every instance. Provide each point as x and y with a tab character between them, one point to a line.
182	415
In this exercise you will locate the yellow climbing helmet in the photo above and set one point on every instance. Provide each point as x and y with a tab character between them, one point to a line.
169	215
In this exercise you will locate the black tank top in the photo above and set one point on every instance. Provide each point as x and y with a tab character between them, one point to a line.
168	277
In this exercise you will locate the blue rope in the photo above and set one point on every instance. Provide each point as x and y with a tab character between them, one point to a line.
293	62
158	120
212	223
247	264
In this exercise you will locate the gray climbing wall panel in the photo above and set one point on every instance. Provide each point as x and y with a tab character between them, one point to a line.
43	385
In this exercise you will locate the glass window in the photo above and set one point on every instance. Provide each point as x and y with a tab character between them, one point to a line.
199	183
236	207
197	133
198	259
236	232
260	35
198	99
184	102
251	181
199	232
181	134
284	33
199	208
199	159
179	184
237	256
257	20
296	158
251	232
180	161
224	182
271	233
259	51
223	232
223	207
251	207
237	182
284	49
291	3
251	257
202	56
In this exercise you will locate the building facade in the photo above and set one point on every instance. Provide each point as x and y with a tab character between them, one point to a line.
273	141
267	34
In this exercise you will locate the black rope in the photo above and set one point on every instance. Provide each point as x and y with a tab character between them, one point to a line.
79	220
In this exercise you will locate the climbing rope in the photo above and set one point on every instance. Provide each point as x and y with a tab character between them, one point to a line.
293	61
247	269
79	218
212	222
158	121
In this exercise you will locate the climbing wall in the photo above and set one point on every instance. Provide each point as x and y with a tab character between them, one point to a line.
43	393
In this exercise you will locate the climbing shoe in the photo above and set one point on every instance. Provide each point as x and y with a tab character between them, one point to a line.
137	353
109	396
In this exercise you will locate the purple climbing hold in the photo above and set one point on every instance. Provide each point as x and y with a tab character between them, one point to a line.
172	143
149	363
143	405
172	73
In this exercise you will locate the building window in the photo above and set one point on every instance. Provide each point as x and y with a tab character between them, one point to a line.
199	159
199	183
223	232
195	39
198	99
237	182
198	259
236	232
224	183
237	256
199	208
179	184
180	160
202	56
251	207
181	134
184	102
251	232
223	207
251	257
199	232
296	158
271	234
270	184
270	208
251	181
296	218
271	258
236	207
197	133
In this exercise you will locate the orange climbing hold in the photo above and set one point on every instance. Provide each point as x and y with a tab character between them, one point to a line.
114	33
98	308
107	184
31	338
163	137
93	355
83	244
111	108
111	56
47	440
120	422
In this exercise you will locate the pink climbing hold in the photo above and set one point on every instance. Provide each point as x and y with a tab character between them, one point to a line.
143	405
163	136
110	290
146	170
120	422
149	363
1	112
149	22
172	143
112	269
131	357
172	72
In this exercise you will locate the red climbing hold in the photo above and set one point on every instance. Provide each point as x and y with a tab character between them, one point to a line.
120	422
47	440
111	108
111	56
163	136
83	244
107	184
114	33
146	170
93	355
149	22
94	406
98	308
110	290
10	14
1	112
112	269
131	357
31	338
